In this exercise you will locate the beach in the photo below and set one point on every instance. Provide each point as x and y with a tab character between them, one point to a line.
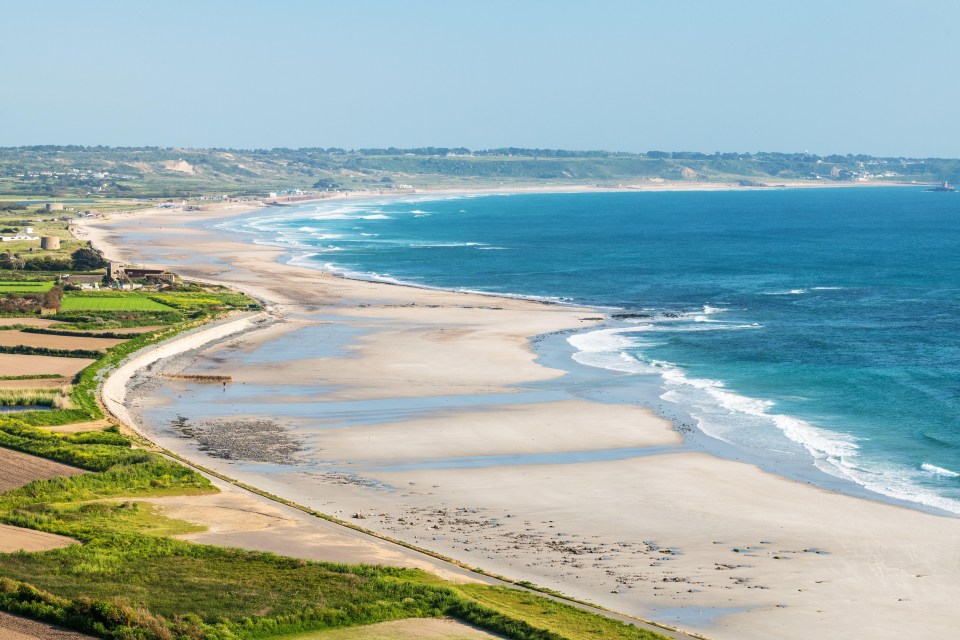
682	537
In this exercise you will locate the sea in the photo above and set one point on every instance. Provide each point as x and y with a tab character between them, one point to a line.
817	326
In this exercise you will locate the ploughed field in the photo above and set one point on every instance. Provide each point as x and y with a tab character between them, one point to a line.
18	469
29	321
48	341
18	364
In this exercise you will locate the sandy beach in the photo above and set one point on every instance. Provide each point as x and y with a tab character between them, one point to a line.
426	416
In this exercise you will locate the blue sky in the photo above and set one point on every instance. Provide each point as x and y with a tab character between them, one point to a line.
851	76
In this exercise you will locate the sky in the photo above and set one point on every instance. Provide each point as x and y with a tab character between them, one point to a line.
842	76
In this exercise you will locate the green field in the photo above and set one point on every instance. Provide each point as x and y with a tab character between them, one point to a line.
119	302
25	286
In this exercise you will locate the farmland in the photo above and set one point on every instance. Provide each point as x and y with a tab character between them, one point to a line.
18	469
21	364
118	302
25	286
13	338
18	539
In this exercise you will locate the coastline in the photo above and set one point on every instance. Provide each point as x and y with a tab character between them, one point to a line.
682	490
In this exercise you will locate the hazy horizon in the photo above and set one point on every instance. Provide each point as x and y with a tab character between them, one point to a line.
353	149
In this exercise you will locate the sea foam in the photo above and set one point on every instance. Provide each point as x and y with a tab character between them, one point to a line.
750	422
939	471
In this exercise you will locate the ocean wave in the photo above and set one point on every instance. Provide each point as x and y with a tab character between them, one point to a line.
601	340
820	443
435	245
712	325
704	315
319	234
303	259
281	242
789	292
333	216
373	276
750	422
833	452
939	471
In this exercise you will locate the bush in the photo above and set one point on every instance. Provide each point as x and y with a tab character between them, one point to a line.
48	263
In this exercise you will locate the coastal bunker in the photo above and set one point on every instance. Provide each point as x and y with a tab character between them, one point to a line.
50	243
54	206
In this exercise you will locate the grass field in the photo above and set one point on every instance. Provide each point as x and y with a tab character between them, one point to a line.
119	302
25	286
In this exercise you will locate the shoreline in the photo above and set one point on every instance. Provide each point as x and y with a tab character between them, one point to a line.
697	439
479	491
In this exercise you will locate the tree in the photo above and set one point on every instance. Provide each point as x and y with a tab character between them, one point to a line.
326	183
86	259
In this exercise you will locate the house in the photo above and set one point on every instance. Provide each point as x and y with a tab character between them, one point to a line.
82	281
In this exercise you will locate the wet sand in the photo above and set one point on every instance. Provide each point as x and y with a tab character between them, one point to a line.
425	415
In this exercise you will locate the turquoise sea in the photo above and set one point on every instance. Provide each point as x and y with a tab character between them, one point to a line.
820	326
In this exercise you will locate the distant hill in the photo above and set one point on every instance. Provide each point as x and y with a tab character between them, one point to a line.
168	172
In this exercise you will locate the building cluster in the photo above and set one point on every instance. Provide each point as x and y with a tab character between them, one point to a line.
120	273
77	173
120	276
26	234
